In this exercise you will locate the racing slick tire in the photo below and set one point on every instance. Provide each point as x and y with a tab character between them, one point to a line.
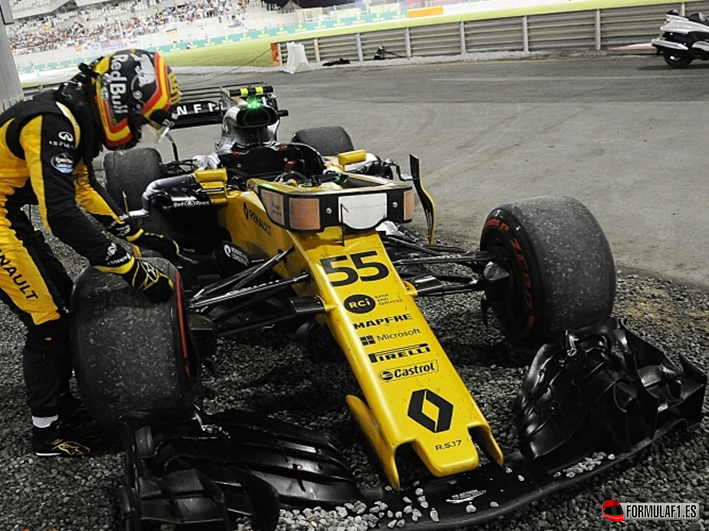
329	140
676	61
559	268
128	173
130	355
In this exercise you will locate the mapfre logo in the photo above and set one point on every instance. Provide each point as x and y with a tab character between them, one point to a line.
383	321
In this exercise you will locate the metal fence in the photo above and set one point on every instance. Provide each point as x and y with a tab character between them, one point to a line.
597	29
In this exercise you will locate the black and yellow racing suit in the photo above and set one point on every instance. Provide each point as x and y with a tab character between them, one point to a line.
41	162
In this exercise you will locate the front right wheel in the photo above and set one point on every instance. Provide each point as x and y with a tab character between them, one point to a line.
131	355
552	269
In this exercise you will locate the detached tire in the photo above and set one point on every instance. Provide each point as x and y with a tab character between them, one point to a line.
560	266
130	355
329	140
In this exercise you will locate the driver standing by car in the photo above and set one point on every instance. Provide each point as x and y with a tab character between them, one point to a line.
47	143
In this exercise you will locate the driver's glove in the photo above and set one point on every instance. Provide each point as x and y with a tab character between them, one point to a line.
167	247
210	161
147	278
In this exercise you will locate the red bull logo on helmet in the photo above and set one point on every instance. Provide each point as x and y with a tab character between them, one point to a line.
119	86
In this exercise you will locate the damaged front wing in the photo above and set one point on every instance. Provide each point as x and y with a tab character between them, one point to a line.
589	402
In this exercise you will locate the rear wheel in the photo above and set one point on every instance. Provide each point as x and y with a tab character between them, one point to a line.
128	173
677	61
130	355
553	266
325	140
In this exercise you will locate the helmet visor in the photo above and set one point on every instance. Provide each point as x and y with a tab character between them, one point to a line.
161	121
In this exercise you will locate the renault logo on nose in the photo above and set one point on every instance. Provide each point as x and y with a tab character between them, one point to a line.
442	422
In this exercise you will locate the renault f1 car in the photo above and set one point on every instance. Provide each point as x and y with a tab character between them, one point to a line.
310	236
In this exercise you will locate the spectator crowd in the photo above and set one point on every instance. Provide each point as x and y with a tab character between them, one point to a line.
90	27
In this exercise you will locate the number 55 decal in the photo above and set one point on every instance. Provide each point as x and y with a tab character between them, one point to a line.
375	270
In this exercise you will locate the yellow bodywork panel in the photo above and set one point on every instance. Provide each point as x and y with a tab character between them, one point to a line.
351	157
214	183
209	178
412	394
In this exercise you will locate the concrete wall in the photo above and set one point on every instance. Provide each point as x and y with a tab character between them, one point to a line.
10	88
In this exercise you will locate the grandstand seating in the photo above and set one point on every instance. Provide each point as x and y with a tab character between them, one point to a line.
83	3
29	8
33	8
100	21
29	4
80	25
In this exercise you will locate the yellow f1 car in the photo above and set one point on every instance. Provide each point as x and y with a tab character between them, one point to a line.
312	233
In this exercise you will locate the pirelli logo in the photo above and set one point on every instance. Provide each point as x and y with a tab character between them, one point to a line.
397	353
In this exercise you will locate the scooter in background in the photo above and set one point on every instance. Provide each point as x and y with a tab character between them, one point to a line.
683	39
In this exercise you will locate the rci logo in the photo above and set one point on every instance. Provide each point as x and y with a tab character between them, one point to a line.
360	304
442	422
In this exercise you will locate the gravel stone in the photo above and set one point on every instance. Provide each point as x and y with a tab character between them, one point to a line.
265	372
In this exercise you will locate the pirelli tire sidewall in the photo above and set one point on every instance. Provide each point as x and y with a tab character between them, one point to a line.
130	355
562	274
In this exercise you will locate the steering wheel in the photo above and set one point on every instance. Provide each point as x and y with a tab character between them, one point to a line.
299	178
